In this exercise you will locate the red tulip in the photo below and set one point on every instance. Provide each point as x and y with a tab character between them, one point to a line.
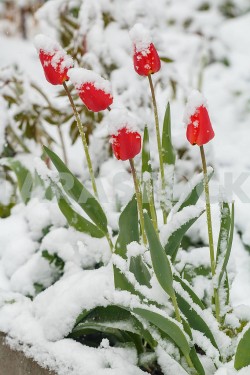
199	129
94	91
146	58
126	144
54	60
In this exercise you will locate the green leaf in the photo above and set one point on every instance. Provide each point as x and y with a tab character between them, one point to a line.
140	270
75	189
197	188
24	178
193	355
166	325
146	162
194	319
166	59
54	259
174	240
225	225
148	187
77	221
122	283
242	357
168	153
159	258
229	247
128	228
113	320
190	292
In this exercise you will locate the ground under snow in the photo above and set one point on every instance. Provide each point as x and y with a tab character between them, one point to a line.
42	324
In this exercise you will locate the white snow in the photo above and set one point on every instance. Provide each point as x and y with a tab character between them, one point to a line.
195	100
119	119
51	47
46	44
82	77
140	37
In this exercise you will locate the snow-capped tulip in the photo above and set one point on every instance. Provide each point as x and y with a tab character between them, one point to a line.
199	128
125	138
146	58
94	91
54	60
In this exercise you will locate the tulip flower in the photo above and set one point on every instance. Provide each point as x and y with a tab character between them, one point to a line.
199	128
146	58
54	60
94	91
125	138
126	144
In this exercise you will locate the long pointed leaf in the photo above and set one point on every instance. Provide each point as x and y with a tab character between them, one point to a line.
146	162
193	355
195	320
159	258
190	292
77	221
24	178
224	229
166	325
191	196
229	247
75	189
182	221
148	186
168	153
242	357
128	228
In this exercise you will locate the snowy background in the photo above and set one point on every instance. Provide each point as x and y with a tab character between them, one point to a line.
208	45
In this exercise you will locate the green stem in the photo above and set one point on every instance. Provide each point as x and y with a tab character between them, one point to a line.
84	141
158	137
139	199
210	230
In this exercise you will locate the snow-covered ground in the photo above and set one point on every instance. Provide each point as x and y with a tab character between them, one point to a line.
39	326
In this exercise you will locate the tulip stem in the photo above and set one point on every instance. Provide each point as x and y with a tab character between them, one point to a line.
84	141
139	199
158	137
210	230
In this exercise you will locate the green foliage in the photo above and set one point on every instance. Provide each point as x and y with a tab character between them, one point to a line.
195	193
54	260
168	152
225	237
76	190
166	325
242	358
160	261
116	323
24	178
177	235
128	228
